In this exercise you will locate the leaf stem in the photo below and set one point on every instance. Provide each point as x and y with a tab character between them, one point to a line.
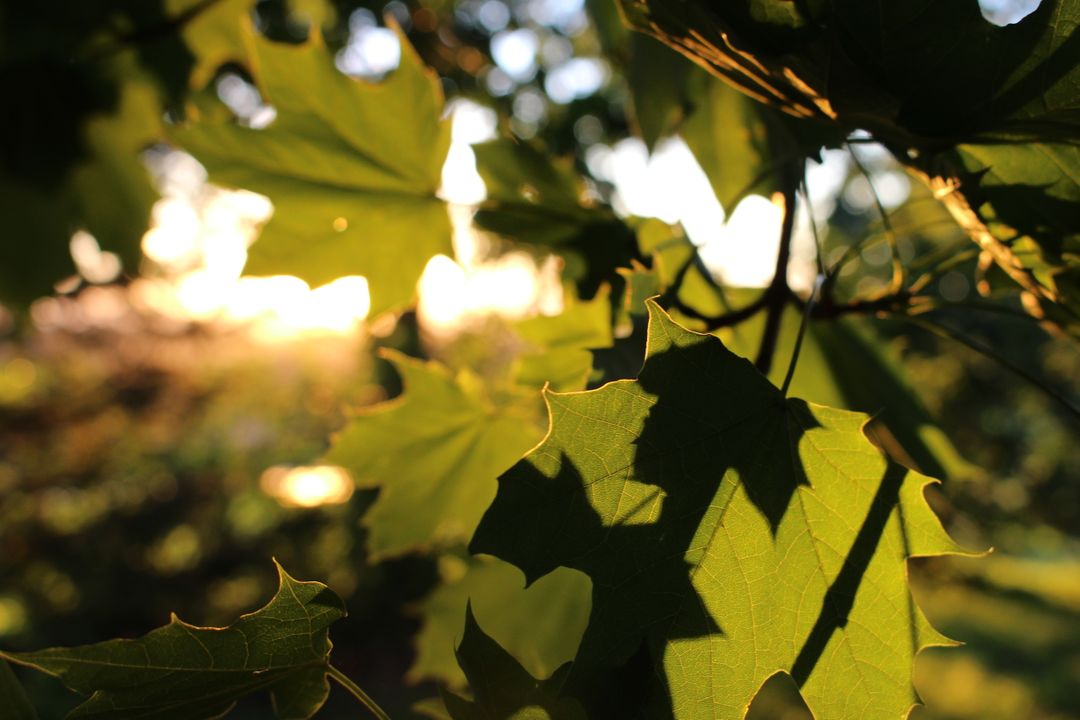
898	272
353	689
802	331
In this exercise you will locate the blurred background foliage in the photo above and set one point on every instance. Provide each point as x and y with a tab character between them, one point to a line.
152	461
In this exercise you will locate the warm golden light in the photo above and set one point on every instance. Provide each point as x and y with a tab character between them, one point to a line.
307	487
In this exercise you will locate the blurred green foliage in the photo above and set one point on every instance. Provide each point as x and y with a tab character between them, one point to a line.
131	457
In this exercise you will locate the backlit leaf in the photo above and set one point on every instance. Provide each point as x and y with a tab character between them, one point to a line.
352	168
559	346
434	453
540	625
734	532
184	672
502	689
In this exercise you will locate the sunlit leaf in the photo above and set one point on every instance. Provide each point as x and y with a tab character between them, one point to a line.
719	520
558	351
352	168
843	363
434	453
184	672
501	688
540	626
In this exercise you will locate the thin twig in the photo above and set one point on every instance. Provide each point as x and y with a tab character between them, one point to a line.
353	689
778	294
715	322
898	278
818	282
947	332
818	257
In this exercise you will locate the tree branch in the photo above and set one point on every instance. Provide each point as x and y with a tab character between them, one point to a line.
778	293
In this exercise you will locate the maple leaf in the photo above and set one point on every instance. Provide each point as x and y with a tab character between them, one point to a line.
184	672
352	167
434	453
736	533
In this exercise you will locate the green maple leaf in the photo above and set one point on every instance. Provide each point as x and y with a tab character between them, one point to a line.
502	689
352	167
558	351
735	532
184	672
434	453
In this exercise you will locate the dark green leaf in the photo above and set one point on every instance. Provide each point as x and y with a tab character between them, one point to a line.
989	115
13	698
538	201
184	672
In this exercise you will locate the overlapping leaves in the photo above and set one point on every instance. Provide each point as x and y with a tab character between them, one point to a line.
989	115
184	672
503	689
733	532
434	453
538	201
540	626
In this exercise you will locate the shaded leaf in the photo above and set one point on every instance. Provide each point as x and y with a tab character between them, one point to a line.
94	82
12	696
535	200
844	364
434	452
1029	197
540	626
744	147
501	688
92	179
351	167
184	672
988	114
719	520
658	78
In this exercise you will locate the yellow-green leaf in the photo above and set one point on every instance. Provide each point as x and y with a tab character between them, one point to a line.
434	453
540	625
352	167
734	532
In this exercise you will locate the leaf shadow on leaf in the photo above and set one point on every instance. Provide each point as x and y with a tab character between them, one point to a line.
649	486
649	543
840	597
